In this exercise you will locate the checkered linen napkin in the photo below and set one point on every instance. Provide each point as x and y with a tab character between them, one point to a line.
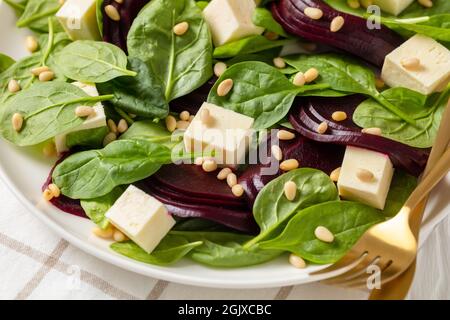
37	264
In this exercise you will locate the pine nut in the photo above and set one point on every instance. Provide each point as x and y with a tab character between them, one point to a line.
209	165
374	131
410	63
339	116
182	125
184	115
288	165
354	4
84	111
364	175
110	137
104	233
299	79
290	190
31	44
426	3
219	69
334	175
277	153
38	70
112	126
119	1
323	234
49	150
181	28
118	236
337	23
313	13
237	190
223	174
122	126
54	189
224	87
46	76
171	123
112	12
270	35
279	63
366	3
47	195
13	86
199	161
379	83
322	128
17	121
297	261
231	180
285	135
311	75
205	117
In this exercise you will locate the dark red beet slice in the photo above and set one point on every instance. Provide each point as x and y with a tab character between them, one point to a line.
309	153
309	113
194	100
116	32
64	203
354	37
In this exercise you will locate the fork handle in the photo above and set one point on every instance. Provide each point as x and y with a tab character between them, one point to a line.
435	175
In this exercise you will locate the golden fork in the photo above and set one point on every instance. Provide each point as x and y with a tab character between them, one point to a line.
392	245
399	287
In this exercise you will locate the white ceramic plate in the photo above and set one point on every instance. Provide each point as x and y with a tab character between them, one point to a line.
25	170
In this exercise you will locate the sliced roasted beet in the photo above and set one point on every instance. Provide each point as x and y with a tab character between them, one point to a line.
193	181
309	153
309	113
194	100
116	32
62	202
354	37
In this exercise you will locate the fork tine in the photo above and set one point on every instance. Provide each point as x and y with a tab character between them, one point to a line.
352	273
343	265
361	280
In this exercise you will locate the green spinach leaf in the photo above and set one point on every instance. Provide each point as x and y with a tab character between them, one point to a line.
92	174
96	208
272	210
36	14
99	15
5	62
48	109
170	250
153	132
17	5
264	18
427	112
92	61
225	249
91	138
142	95
259	91
252	44
402	186
345	75
346	220
182	63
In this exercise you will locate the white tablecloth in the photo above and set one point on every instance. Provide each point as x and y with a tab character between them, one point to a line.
37	264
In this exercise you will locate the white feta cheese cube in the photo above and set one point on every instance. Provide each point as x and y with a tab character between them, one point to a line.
227	133
231	20
78	18
372	192
141	217
97	120
394	7
433	73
